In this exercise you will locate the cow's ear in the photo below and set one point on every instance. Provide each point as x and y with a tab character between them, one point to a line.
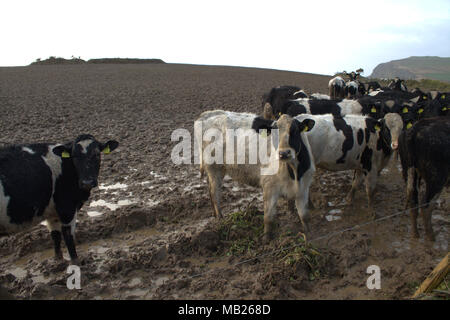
63	151
109	146
260	123
306	125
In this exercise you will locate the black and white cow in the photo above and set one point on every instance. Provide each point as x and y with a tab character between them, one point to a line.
354	142
288	171
425	154
354	89
49	182
336	88
372	86
363	106
398	85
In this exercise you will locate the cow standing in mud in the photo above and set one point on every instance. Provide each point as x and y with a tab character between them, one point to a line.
354	142
49	182
288	171
425	154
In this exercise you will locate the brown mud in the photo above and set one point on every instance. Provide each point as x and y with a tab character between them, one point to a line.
148	232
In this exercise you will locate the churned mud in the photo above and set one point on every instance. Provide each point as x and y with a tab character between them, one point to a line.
148	232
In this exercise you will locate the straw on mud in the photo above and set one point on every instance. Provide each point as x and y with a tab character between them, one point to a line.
315	239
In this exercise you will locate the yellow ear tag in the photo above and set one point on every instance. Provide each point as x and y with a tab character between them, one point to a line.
409	125
424	97
106	150
279	113
405	110
420	110
443	96
444	109
305	129
377	127
373	110
65	154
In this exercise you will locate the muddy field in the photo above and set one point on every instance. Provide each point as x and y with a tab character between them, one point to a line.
147	231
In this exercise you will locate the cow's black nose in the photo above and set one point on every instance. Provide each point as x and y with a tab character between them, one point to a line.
88	184
285	154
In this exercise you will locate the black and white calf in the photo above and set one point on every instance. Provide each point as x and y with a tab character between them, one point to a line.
354	142
425	154
354	89
288	172
398	85
48	182
336	88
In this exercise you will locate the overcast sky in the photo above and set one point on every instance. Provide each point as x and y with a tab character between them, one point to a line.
309	36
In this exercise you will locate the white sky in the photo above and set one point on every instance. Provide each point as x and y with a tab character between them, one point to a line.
310	36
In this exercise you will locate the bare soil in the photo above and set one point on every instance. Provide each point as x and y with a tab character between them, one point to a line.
148	232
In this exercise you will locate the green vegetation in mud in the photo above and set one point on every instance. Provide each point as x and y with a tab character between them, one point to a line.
241	234
241	231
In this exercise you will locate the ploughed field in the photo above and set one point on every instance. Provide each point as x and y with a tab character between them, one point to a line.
148	230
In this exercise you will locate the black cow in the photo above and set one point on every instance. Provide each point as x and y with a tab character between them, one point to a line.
425	154
277	96
49	182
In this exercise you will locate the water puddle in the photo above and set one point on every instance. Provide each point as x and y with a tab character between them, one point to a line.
333	215
113	186
109	205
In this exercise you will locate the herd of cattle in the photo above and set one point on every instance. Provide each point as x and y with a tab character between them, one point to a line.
52	181
359	133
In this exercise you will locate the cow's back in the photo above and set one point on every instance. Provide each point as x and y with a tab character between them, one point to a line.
26	185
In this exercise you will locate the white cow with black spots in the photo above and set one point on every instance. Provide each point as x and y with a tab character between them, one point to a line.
288	171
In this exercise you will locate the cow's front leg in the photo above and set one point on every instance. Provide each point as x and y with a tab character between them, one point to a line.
270	202
371	183
54	226
357	179
302	210
68	232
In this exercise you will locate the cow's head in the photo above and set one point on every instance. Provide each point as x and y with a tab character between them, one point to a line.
274	100
289	135
84	153
390	128
410	112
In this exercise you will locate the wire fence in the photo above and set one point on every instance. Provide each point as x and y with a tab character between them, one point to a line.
327	236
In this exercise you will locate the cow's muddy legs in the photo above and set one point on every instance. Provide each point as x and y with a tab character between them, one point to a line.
270	202
357	179
54	226
412	201
70	243
214	184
